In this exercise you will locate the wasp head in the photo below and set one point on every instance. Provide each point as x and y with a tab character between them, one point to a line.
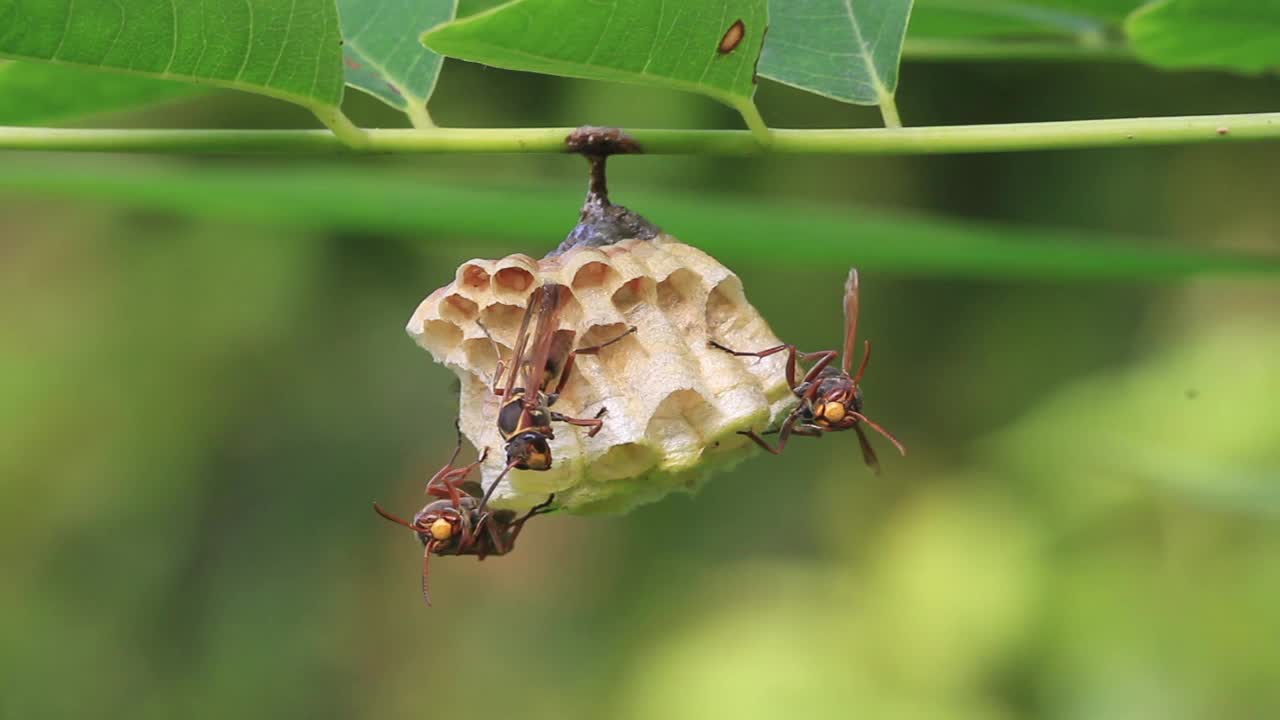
440	525
529	451
839	408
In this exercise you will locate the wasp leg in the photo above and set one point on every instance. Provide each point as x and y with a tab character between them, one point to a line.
592	350
823	357
497	371
791	357
540	509
808	430
495	538
751	435
445	484
792	426
785	433
495	388
595	423
470	534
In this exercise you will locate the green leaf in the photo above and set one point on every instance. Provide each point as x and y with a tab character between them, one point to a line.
1113	11
45	93
1016	30
383	56
664	43
289	49
976	18
1015	19
1240	35
840	49
477	220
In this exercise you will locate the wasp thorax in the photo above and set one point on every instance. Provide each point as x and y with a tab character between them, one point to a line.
672	405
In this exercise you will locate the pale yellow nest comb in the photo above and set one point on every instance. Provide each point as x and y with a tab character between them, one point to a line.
674	404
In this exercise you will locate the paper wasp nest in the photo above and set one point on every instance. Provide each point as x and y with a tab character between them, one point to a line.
674	404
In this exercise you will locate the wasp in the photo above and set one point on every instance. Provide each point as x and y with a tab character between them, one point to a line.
464	528
525	416
830	399
458	522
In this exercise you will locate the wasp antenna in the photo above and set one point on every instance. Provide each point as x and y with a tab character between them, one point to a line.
378	509
484	501
426	572
866	355
888	435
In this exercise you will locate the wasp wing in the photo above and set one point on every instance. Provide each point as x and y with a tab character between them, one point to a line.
868	453
850	319
522	342
535	370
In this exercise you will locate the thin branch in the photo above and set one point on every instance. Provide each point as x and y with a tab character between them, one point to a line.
1012	137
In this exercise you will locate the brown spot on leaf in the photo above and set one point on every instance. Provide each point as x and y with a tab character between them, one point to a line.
395	89
1223	130
350	63
732	37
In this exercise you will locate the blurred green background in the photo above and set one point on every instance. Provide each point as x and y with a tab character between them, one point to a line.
198	407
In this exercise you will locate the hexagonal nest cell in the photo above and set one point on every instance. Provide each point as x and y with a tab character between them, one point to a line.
674	405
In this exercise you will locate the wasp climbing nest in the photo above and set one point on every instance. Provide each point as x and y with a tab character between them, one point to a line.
673	405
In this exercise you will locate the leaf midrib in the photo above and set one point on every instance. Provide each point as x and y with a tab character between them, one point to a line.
876	81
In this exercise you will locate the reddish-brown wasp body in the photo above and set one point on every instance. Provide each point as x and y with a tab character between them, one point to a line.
464	528
830	398
458	522
525	417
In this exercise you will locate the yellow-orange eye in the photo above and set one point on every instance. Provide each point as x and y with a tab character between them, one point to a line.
441	529
833	412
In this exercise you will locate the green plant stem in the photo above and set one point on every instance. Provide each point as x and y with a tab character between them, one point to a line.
755	123
341	126
889	111
1011	137
419	117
